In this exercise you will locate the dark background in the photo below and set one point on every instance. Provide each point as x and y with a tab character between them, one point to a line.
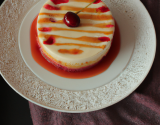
14	108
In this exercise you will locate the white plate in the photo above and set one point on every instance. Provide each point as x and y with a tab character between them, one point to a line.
137	32
127	45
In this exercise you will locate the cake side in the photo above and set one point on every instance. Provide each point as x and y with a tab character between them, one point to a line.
75	47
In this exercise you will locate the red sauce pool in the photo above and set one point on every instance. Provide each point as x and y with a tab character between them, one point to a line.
102	66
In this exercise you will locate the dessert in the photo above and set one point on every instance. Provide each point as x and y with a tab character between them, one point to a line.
74	48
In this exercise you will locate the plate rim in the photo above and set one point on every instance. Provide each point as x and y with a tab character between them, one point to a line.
76	111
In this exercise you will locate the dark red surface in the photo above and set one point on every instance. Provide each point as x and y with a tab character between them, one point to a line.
104	39
142	107
59	1
71	19
51	40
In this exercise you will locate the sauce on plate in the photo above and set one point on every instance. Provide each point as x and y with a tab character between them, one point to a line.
102	66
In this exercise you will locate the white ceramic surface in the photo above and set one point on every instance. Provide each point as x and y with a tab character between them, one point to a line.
137	33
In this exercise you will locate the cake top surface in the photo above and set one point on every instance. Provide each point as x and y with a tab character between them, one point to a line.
92	37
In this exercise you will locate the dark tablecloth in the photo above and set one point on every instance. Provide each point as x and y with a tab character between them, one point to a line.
142	107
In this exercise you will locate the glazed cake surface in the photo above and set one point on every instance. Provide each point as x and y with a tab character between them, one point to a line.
79	47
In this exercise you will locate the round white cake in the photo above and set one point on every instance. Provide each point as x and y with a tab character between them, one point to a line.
78	48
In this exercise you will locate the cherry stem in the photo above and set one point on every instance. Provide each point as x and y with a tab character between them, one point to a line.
85	7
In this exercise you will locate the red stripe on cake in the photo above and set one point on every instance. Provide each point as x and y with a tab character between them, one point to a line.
104	39
49	7
102	9
109	26
59	1
51	40
45	29
97	1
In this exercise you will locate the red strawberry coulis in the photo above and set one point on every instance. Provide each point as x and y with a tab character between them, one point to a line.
109	26
104	39
45	29
50	7
59	1
102	9
51	40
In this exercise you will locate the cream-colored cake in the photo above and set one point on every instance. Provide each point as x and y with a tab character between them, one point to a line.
75	49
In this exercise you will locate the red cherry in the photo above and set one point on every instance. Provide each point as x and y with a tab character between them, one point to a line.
71	19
